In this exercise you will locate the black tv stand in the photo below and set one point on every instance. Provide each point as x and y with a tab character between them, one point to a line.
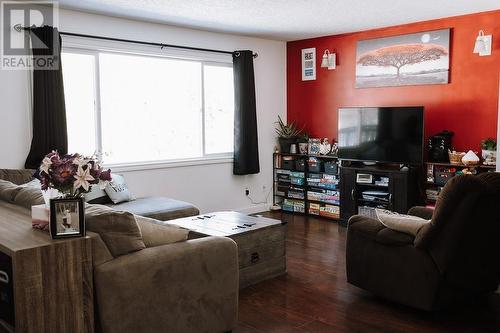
363	188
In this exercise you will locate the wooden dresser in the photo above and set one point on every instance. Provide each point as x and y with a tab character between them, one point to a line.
51	279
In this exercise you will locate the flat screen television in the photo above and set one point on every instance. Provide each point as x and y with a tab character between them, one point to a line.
381	134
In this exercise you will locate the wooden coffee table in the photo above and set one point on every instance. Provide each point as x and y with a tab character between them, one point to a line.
260	240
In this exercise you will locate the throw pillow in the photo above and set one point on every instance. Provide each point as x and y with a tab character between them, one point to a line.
118	230
117	189
8	190
97	196
20	195
403	223
156	233
28	196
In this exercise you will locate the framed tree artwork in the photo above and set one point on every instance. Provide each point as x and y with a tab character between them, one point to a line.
412	59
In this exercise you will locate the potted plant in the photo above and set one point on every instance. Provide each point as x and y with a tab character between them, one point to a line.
489	151
287	134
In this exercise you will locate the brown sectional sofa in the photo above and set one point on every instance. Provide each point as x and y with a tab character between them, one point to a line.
147	276
159	208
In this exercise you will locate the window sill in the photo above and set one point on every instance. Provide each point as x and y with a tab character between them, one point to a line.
140	166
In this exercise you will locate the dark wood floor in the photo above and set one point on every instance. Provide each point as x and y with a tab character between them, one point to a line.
315	297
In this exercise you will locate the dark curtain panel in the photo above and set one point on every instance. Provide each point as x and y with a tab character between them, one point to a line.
49	112
246	148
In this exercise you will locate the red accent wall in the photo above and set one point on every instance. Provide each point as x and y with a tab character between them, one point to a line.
468	105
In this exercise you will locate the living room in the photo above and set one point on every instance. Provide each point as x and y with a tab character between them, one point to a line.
202	153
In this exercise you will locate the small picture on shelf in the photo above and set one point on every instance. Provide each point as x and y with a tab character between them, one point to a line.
303	146
314	146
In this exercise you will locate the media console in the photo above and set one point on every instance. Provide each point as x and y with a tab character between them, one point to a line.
364	188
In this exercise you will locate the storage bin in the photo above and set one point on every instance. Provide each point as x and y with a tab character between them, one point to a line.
288	164
331	168
300	165
6	290
314	164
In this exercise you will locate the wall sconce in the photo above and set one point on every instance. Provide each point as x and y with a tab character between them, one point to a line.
483	44
329	60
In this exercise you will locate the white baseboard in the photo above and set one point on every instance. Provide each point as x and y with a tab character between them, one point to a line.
255	209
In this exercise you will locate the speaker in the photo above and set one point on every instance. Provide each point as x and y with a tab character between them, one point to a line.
439	145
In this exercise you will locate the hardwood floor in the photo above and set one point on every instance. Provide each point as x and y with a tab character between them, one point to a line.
315	297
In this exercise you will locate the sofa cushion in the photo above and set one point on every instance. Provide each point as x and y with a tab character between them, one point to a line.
375	231
366	226
17	176
29	196
8	190
395	238
100	252
159	208
118	230
155	233
25	196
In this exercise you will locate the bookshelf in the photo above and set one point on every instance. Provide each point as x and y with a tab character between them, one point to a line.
307	184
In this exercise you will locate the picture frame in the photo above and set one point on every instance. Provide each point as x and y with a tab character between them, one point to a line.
420	58
67	218
314	146
308	59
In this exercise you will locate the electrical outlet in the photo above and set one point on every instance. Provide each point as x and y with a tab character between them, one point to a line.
247	191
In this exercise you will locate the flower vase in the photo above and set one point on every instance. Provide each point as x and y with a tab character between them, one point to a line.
50	193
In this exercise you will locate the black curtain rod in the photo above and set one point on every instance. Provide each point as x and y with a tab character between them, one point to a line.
161	45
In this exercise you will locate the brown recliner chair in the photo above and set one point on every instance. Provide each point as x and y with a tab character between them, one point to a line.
454	258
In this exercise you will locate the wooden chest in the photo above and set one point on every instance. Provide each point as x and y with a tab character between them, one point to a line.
261	241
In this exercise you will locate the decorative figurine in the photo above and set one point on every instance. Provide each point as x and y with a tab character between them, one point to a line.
325	148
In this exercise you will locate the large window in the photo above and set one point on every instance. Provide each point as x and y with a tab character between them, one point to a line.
140	108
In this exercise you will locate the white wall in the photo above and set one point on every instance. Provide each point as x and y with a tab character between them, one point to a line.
210	187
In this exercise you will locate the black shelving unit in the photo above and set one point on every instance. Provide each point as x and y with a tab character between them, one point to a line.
439	173
307	188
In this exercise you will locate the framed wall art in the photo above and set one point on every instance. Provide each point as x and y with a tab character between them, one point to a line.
413	59
308	64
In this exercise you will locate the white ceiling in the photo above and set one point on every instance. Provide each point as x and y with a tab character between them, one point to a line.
282	19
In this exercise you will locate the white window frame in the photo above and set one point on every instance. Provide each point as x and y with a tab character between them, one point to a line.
90	46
